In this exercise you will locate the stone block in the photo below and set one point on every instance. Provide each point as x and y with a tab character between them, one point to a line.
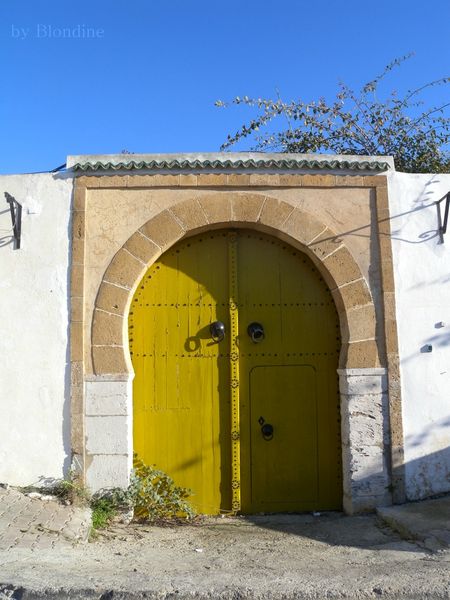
364	430
76	341
141	181
366	462
217	208
78	225
246	208
342	267
78	251
124	270
374	180
112	181
77	433
360	324
163	229
76	309
107	434
112	298
107	329
111	398
289	180
318	180
160	180
190	214
387	272
327	243
275	212
79	198
238	179
76	373
109	360
382	198
264	179
362	385
108	471
211	179
373	486
77	280
389	306
83	180
188	180
76	399
352	295
362	354
302	226
391	336
354	505
348	181
142	248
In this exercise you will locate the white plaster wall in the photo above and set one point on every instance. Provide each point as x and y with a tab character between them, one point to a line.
34	386
422	283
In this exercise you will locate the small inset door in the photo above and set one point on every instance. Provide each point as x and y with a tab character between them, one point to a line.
283	418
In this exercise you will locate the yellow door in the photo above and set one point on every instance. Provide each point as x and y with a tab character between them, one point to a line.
248	423
288	381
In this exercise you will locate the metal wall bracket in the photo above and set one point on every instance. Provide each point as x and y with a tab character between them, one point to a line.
16	218
443	223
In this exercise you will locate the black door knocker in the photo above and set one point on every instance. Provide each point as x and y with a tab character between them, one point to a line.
266	429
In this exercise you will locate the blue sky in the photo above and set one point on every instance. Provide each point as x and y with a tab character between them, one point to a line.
148	80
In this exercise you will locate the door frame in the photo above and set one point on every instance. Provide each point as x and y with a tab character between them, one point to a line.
363	379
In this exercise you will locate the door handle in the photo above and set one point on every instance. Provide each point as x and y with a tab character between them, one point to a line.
217	330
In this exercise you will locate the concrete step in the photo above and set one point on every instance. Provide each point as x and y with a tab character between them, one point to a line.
427	521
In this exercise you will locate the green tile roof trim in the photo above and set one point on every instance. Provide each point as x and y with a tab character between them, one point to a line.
228	161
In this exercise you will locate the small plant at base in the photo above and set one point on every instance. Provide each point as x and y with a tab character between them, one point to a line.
71	491
154	495
103	511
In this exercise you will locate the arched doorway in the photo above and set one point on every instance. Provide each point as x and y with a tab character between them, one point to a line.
245	422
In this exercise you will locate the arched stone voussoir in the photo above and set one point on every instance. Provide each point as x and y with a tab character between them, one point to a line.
228	209
302	226
124	269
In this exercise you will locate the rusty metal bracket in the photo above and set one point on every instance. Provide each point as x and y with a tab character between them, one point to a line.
16	218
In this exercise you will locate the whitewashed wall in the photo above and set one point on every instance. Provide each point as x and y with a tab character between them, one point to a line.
34	385
422	283
34	373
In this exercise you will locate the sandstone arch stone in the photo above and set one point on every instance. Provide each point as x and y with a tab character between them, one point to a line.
297	227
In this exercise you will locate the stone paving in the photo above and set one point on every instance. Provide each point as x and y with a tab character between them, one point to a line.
37	523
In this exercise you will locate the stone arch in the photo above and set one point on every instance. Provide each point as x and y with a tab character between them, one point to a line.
214	210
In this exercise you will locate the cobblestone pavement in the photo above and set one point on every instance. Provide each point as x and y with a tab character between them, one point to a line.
39	523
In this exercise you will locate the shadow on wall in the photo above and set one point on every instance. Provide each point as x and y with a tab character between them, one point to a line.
430	474
6	235
439	340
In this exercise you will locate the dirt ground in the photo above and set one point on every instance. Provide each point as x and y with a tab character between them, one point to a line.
278	556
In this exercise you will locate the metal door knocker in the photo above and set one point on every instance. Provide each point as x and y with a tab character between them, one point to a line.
256	332
266	429
217	330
